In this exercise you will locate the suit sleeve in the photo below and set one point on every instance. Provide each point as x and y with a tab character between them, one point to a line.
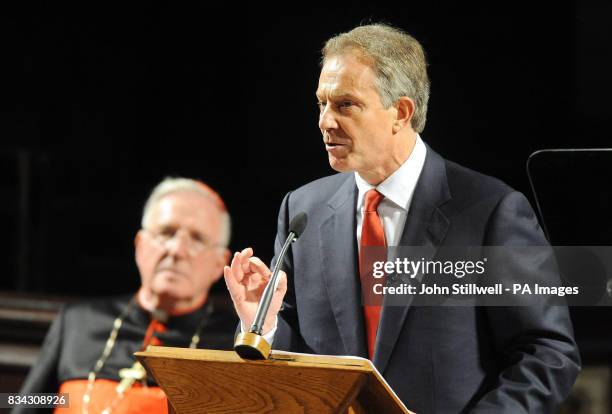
43	376
535	345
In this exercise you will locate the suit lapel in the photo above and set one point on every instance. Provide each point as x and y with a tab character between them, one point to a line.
425	227
339	260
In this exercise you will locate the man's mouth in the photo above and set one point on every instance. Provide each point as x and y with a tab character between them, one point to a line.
337	150
170	270
335	146
334	142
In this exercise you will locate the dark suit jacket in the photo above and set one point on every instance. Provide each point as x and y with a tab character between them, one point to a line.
437	359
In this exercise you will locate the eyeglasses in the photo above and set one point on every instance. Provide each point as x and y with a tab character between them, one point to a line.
195	243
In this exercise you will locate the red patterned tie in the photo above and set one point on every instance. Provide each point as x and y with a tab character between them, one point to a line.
373	235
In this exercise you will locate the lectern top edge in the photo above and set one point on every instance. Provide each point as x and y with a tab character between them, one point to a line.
280	357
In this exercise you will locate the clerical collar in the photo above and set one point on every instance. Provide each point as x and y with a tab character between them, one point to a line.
160	315
163	315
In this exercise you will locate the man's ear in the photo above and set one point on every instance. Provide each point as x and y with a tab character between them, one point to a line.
137	238
222	258
226	256
405	111
138	245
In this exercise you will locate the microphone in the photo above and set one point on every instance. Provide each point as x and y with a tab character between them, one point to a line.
252	345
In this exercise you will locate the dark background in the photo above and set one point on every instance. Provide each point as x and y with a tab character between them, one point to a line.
99	103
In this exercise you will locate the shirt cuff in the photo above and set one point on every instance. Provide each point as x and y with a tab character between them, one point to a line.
269	337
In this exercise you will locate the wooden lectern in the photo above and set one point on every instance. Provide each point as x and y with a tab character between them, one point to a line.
208	381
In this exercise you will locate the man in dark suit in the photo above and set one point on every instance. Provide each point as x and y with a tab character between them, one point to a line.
394	190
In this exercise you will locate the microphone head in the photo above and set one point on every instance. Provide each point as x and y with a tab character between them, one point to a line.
298	224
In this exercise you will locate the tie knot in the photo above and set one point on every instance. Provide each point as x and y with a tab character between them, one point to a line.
372	200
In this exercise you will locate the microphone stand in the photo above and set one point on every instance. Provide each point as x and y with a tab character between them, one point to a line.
252	345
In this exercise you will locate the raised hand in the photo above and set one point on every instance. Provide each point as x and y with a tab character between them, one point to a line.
246	277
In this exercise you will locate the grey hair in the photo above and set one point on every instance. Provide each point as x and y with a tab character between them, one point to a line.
176	184
398	61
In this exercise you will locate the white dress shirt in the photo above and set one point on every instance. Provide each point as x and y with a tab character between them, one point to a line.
398	189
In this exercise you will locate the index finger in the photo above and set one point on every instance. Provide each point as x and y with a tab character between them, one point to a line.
257	265
245	255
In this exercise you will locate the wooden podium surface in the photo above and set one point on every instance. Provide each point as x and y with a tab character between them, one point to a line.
210	381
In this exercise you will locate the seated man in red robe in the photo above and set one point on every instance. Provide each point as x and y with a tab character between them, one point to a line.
180	252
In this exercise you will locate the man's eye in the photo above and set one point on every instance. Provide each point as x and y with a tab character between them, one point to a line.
321	105
345	104
167	233
198	238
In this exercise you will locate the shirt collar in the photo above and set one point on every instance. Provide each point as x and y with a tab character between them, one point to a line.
399	186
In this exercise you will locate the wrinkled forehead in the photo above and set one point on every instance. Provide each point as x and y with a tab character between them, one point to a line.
347	73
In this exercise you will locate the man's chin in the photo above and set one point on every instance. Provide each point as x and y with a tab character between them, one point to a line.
339	164
172	287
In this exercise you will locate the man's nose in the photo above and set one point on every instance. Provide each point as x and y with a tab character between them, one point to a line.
179	244
327	120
